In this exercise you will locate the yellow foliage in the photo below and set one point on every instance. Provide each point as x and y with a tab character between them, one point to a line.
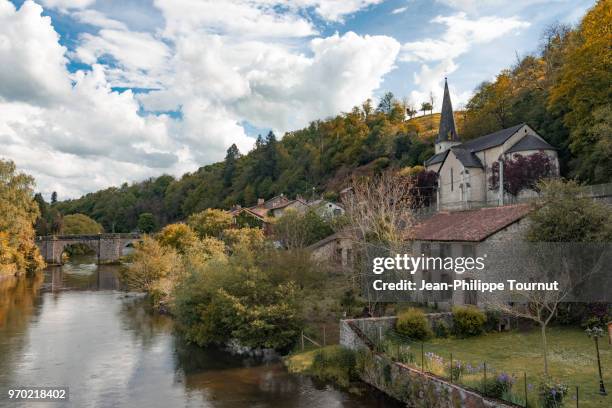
177	236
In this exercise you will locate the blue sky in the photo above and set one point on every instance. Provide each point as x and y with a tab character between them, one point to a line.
129	89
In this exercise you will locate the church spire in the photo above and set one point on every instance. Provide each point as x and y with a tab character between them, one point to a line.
448	130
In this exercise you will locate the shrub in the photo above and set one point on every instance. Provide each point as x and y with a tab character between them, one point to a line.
552	392
468	321
499	385
336	364
441	329
413	323
493	319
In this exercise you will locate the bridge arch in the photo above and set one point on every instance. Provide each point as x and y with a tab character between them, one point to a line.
108	247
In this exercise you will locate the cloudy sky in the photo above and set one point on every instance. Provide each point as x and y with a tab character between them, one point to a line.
94	93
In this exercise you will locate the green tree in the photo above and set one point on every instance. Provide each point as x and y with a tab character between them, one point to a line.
298	230
231	158
147	223
75	224
563	214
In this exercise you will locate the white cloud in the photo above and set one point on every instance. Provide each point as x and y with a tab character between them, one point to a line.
68	4
460	36
140	57
32	63
74	134
399	10
98	19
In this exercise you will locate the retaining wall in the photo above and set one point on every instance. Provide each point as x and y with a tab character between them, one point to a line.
412	386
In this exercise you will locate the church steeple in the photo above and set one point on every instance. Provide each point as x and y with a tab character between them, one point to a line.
447	133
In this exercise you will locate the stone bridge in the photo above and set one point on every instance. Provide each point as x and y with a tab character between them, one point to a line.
108	247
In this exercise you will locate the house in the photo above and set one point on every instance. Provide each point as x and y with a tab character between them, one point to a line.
298	205
465	234
336	249
326	209
464	168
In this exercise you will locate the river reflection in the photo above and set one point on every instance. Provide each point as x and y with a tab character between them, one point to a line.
70	326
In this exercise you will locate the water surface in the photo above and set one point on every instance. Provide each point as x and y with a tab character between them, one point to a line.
72	326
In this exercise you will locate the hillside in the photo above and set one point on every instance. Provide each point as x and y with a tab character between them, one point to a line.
562	91
428	125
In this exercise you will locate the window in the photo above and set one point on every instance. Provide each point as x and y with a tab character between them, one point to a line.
467	251
470	297
445	250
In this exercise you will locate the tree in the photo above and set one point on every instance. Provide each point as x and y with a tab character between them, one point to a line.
210	222
582	88
386	103
18	213
522	172
147	223
298	230
54	197
177	236
426	106
432	101
379	212
563	214
75	224
231	158
154	269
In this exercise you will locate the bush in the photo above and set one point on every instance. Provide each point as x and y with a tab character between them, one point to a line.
441	329
493	319
336	364
413	323
468	321
499	385
552	393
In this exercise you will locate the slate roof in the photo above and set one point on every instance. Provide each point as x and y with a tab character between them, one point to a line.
436	158
530	142
468	159
447	130
476	145
491	140
469	226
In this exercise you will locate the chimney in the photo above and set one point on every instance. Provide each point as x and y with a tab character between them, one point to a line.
260	201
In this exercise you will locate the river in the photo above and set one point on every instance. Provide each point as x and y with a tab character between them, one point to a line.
71	326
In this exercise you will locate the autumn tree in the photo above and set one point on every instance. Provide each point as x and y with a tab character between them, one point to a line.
210	222
522	172
582	94
18	213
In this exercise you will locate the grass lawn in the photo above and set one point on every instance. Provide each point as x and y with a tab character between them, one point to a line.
571	357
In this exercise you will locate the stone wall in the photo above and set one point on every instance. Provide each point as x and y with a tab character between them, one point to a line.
412	386
108	247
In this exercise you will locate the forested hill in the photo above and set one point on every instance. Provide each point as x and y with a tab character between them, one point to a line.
563	91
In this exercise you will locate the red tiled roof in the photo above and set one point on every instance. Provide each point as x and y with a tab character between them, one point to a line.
472	225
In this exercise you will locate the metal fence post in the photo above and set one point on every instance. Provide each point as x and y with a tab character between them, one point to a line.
302	336
484	383
525	386
577	403
451	368
422	357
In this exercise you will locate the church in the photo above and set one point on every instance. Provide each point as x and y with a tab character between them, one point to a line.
464	168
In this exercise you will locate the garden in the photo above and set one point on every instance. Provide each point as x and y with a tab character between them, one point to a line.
504	365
